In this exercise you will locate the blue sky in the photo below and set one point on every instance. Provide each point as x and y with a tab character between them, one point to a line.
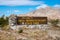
8	7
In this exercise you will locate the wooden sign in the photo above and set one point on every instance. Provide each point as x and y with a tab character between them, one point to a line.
31	20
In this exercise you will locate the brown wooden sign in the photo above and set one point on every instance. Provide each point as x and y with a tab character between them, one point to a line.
31	20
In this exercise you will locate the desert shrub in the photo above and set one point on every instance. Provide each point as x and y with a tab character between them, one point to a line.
3	21
20	31
54	22
6	28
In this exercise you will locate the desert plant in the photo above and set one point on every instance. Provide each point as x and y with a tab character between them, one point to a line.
3	22
54	22
20	31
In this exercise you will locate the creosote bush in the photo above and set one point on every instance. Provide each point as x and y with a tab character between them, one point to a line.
54	22
20	31
3	21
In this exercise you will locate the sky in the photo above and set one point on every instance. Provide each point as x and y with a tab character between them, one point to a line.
8	7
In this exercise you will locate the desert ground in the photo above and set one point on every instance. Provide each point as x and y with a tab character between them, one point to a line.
52	33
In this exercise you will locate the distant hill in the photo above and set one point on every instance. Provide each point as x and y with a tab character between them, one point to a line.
50	12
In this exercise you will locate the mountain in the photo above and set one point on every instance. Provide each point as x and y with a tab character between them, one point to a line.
50	12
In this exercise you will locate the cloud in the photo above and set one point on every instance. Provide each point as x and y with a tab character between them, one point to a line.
16	10
42	6
58	6
19	2
13	11
45	5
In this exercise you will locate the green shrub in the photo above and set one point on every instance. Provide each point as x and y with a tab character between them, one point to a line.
20	31
3	21
54	22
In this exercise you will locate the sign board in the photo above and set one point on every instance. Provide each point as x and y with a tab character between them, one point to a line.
31	20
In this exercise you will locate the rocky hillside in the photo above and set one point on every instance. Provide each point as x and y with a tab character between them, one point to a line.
51	13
